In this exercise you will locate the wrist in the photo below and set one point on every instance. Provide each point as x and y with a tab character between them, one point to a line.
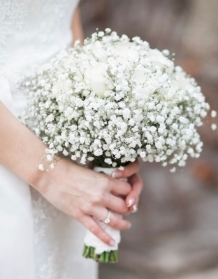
41	174
38	179
42	179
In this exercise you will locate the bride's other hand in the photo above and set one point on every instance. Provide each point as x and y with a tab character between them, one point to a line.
131	173
84	194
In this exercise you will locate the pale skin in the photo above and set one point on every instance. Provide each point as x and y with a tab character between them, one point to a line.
78	192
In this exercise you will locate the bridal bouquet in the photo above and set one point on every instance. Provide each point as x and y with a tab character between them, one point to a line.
113	100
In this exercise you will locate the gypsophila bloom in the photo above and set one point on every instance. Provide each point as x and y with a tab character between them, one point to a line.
41	167
115	99
213	113
213	127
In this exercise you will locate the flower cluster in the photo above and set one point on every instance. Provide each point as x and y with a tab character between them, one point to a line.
115	99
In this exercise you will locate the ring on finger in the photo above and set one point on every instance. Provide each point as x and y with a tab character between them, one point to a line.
107	219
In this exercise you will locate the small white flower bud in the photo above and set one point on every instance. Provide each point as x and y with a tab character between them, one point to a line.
213	127
41	167
173	169
213	113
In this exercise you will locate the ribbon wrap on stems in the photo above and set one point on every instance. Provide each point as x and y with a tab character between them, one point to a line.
94	247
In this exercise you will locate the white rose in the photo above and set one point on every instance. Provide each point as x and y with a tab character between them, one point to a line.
98	50
126	51
96	77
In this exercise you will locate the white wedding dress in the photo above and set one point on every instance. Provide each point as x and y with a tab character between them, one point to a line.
37	241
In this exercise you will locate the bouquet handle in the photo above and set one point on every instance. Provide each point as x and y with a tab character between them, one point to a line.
94	248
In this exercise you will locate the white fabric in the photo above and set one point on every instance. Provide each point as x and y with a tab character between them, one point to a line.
91	240
37	241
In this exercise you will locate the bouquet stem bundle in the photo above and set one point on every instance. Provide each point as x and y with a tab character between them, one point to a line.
105	257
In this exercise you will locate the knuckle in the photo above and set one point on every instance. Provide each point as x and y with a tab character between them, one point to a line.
128	187
87	208
105	181
99	197
104	184
115	222
122	210
76	214
125	187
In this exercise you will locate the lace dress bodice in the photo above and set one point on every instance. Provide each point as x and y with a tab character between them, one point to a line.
31	31
37	241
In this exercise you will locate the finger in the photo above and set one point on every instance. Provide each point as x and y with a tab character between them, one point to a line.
133	197
116	221
128	171
113	203
119	187
116	204
94	228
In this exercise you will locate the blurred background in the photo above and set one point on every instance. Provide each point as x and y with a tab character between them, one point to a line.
175	231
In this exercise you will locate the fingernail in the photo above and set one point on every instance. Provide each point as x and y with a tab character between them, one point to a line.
117	174
135	208
112	243
130	203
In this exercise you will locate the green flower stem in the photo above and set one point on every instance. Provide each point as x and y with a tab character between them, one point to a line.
105	257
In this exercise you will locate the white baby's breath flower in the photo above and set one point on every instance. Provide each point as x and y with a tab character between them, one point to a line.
213	113
98	152
173	169
41	167
49	158
213	127
126	51
166	52
108	161
52	165
60	87
65	152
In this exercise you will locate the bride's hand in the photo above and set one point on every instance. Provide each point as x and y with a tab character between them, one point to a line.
78	192
131	173
83	193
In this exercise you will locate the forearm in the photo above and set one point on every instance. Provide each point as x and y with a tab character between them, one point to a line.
20	149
